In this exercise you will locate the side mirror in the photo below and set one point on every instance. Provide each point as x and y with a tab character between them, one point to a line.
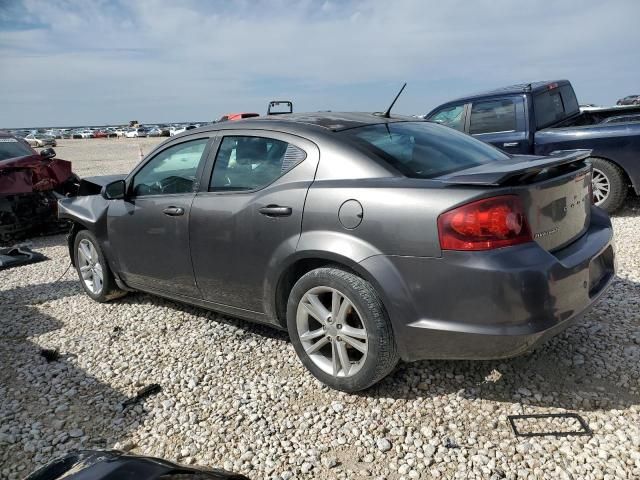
48	153
114	190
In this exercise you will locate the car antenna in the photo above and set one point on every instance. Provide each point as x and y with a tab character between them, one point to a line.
387	114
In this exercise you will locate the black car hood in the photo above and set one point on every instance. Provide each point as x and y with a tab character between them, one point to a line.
116	465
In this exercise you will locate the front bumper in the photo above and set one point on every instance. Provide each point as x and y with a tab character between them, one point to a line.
494	304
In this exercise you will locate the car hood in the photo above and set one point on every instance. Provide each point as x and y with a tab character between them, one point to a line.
32	173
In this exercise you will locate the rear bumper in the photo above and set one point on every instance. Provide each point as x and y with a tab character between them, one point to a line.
495	304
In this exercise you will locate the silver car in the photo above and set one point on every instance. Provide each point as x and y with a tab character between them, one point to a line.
371	239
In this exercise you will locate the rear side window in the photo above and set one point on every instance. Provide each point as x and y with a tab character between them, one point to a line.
554	105
493	116
423	149
12	148
451	117
250	163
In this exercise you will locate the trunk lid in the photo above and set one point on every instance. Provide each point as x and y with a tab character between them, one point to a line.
555	192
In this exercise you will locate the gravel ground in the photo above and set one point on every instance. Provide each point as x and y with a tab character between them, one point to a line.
234	394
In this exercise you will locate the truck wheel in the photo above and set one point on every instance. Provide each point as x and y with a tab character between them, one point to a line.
609	185
94	272
340	329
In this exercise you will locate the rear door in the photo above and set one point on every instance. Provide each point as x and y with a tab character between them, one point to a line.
247	215
501	122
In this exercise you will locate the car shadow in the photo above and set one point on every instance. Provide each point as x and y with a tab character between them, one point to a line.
48	408
575	370
631	207
247	326
590	366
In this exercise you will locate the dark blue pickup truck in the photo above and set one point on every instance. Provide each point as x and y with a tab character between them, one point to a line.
542	117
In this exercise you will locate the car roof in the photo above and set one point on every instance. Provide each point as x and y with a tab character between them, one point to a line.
533	87
310	122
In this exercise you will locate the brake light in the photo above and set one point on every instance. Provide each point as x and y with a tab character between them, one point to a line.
485	224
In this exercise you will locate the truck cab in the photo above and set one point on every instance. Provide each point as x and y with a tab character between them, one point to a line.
542	117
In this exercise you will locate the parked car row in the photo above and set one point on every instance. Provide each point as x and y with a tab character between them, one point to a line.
44	137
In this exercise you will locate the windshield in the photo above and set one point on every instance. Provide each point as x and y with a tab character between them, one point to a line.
423	149
12	148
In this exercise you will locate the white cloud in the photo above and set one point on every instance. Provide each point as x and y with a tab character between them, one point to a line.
163	60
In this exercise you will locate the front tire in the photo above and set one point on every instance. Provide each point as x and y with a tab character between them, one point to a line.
340	329
609	185
94	273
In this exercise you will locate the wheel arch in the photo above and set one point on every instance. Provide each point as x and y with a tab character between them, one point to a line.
627	178
304	262
76	227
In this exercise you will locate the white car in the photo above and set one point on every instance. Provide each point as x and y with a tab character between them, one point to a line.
87	134
136	132
33	141
176	130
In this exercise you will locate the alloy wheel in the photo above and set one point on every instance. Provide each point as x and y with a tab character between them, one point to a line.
332	332
601	186
90	267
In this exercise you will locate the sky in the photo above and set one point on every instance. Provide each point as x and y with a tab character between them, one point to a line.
94	62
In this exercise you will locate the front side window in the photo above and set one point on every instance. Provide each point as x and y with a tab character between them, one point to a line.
423	149
250	163
451	117
171	171
493	116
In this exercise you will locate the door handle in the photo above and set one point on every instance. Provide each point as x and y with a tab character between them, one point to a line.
173	211
276	211
510	144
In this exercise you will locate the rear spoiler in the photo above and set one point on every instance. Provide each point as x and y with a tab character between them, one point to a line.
500	172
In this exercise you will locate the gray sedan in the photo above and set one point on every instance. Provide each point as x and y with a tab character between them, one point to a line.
371	239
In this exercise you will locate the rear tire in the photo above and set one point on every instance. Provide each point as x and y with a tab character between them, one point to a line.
609	185
93	270
352	347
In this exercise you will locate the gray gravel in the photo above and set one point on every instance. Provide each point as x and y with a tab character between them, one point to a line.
235	396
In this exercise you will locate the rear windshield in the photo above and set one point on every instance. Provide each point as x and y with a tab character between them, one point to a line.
12	148
424	149
552	106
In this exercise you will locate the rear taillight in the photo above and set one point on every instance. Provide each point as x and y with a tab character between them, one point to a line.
484	224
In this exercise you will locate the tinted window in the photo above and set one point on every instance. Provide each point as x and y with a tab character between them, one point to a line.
451	117
493	116
554	105
12	148
171	171
248	163
423	149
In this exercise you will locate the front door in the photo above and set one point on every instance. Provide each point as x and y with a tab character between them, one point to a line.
250	215
149	231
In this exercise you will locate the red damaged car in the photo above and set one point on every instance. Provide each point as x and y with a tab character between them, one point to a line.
30	185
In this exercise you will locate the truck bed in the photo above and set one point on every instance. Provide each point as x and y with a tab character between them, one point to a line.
600	115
